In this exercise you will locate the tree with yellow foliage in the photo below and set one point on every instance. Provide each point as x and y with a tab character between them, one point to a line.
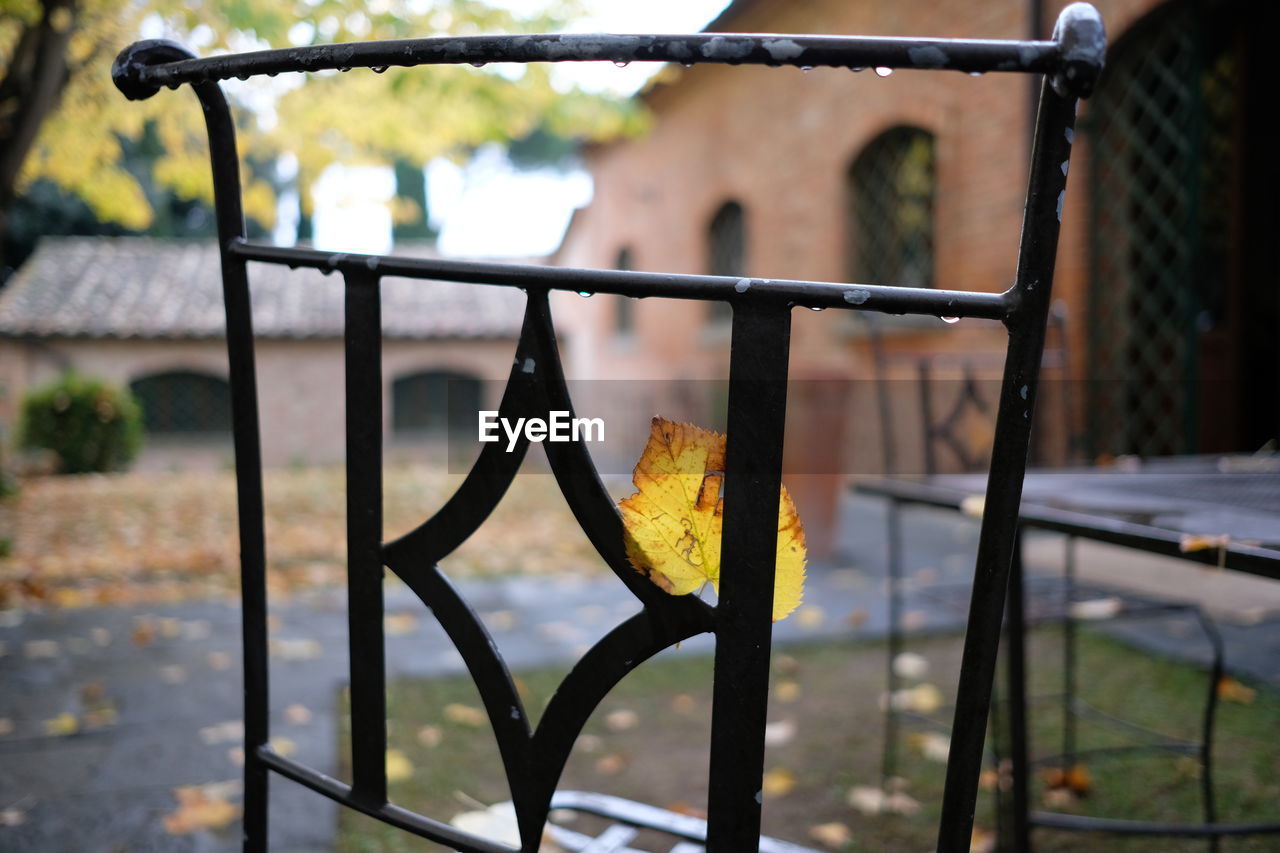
62	120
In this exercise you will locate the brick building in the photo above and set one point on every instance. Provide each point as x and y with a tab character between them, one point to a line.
148	314
1167	267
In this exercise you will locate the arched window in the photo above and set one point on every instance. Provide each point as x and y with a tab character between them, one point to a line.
624	312
726	251
429	403
184	402
890	190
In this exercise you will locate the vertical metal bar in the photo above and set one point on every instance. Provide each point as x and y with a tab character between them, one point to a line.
1032	287
744	616
893	577
363	339
1206	733
1069	656
248	459
1017	672
924	377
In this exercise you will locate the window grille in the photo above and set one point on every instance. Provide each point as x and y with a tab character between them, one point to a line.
184	402
891	189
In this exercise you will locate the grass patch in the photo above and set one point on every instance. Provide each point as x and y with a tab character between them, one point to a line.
648	741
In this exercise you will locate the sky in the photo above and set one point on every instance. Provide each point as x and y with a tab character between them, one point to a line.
489	208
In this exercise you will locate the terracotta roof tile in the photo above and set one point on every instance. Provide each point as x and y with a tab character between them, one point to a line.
139	287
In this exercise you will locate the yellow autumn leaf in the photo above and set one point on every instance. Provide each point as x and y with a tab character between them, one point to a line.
674	522
778	782
200	807
399	767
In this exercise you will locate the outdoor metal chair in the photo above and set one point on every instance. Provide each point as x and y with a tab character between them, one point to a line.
946	408
761	326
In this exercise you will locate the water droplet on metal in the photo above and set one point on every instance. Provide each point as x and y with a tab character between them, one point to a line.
806	68
949	320
622	63
856	68
344	68
585	294
380	69
882	71
975	73
478	64
817	308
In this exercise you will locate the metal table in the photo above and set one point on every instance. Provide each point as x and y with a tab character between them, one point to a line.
1222	511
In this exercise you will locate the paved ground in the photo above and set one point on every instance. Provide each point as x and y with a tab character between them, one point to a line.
170	677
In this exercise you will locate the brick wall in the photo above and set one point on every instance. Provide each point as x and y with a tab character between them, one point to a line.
780	142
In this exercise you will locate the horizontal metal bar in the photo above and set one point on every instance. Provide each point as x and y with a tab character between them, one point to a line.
813	294
970	55
1237	556
652	817
1116	826
393	815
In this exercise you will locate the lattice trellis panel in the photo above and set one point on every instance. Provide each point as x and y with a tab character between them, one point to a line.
1161	153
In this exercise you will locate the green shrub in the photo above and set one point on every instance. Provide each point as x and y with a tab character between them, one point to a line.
89	425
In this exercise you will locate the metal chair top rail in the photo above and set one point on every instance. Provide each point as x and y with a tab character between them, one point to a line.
1073	58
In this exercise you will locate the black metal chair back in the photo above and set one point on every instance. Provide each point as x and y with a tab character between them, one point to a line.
741	621
953	400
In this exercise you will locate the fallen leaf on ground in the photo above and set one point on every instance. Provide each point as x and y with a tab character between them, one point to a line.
833	835
621	720
914	620
500	620
982	840
613	763
400	624
811	616
674	522
464	715
12	817
922	699
683	703
1074	779
1192	542
295	649
857	618
62	725
778	782
219	661
399	767
298	715
224	732
199	807
786	691
872	801
430	736
681	807
173	674
1097	608
283	746
497	823
932	745
910	665
41	649
973	505
779	733
1231	690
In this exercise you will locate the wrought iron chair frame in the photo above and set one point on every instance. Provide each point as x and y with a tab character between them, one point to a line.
741	621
